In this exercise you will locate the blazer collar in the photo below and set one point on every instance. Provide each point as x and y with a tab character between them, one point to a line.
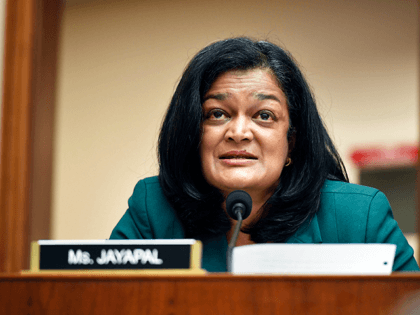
308	233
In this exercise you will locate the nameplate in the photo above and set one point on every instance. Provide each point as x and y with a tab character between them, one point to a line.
116	255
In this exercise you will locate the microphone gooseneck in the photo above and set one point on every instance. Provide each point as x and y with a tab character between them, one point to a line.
238	207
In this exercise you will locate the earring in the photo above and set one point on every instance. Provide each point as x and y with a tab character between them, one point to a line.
288	162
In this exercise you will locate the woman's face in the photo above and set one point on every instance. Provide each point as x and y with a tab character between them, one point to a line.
244	144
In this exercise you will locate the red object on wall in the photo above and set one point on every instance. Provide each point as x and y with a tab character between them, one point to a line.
385	157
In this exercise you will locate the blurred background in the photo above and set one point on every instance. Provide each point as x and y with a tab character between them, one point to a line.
119	63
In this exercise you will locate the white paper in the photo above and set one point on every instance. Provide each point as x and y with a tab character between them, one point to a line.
314	259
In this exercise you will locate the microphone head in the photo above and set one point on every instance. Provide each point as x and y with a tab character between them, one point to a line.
236	198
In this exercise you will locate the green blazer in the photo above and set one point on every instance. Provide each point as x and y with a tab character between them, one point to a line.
348	213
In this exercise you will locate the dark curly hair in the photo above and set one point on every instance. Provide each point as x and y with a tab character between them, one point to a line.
297	196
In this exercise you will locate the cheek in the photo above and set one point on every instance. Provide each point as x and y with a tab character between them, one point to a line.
279	148
203	144
206	159
209	141
206	147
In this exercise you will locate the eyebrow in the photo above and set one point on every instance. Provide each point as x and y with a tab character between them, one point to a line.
218	96
224	96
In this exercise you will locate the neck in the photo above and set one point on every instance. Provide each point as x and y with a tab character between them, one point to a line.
243	239
258	200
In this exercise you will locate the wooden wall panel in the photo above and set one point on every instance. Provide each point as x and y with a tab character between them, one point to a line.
26	131
44	83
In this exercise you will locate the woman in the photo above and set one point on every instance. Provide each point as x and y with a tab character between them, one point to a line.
243	117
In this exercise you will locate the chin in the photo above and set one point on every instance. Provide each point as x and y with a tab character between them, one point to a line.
250	185
239	184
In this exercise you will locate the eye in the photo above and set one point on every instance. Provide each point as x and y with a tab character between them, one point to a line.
265	115
216	114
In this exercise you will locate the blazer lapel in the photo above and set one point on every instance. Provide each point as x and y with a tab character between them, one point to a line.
308	233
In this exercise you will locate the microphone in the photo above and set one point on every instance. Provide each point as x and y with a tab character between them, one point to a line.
238	207
238	202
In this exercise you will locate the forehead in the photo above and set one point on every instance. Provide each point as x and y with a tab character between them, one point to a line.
253	79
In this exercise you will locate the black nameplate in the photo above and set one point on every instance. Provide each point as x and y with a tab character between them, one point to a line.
91	256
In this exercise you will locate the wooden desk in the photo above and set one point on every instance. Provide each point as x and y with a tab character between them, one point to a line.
208	294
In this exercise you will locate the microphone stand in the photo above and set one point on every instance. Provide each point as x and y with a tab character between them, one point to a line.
234	238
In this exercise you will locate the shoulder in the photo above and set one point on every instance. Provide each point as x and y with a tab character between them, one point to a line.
148	187
151	213
351	199
338	187
148	195
347	209
352	213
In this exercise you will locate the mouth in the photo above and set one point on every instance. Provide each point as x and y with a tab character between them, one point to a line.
237	155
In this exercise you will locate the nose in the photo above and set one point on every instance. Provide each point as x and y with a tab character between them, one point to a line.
239	129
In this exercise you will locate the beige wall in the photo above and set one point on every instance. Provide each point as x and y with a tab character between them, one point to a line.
120	61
